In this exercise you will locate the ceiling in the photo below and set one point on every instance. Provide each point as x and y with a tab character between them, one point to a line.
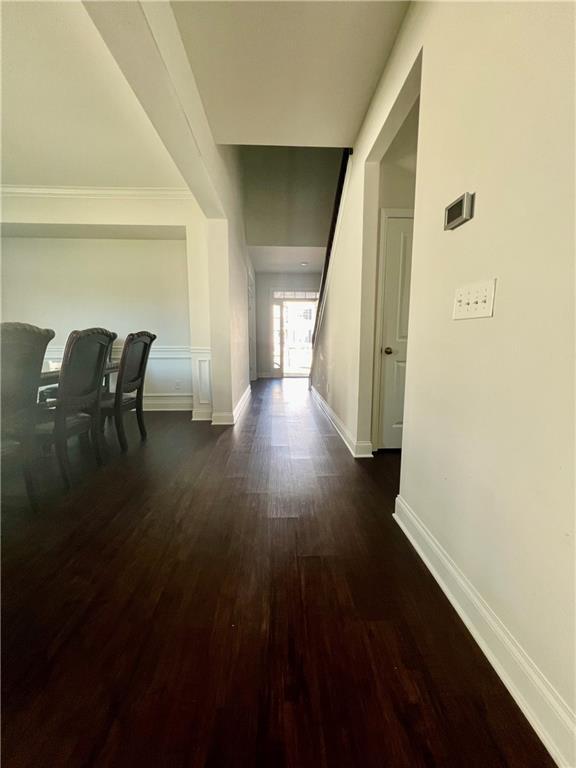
69	117
266	258
287	73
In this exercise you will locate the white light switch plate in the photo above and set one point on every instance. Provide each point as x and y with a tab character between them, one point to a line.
474	300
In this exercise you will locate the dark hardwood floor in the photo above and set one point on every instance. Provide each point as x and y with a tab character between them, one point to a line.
237	597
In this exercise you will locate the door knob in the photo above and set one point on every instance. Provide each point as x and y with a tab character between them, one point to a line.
387	350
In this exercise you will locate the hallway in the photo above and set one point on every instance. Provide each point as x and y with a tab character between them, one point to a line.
240	597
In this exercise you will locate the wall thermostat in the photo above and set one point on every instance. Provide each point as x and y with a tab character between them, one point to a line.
460	211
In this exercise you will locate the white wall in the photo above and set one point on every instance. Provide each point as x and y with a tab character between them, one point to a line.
122	285
487	482
266	284
397	186
289	194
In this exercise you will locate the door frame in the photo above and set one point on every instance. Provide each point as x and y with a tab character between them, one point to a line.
385	215
277	373
280	374
292	301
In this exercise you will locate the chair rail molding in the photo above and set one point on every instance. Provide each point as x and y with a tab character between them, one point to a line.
158	352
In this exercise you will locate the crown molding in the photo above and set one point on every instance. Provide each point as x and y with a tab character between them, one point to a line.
131	193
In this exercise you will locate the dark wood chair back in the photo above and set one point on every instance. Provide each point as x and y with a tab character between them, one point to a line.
134	361
82	372
22	352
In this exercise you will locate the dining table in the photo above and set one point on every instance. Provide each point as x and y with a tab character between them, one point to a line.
49	378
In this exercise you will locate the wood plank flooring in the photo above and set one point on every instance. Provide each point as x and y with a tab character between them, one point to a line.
229	598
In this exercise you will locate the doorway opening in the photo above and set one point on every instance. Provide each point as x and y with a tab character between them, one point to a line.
293	316
397	183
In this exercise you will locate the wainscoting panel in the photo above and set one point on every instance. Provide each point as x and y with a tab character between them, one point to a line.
202	383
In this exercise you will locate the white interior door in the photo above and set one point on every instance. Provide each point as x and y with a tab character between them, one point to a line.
397	257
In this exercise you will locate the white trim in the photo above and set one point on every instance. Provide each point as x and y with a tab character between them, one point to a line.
360	450
242	403
377	390
222	419
227	418
269	375
157	352
204	413
168	401
545	709
202	383
133	193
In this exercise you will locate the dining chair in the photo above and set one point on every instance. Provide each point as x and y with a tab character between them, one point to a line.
76	409
22	350
129	391
49	393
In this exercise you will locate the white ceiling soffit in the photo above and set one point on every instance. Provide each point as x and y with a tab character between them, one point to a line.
287	73
269	258
69	117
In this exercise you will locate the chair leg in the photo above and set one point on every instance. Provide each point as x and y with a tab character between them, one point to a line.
140	417
83	439
30	486
62	456
118	420
96	434
28	454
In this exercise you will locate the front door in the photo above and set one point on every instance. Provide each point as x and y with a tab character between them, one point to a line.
298	327
398	263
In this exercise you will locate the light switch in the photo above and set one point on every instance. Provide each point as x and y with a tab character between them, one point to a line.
474	300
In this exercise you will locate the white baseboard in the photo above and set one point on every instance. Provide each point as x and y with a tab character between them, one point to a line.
360	450
222	418
167	401
203	413
545	709
229	418
241	404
